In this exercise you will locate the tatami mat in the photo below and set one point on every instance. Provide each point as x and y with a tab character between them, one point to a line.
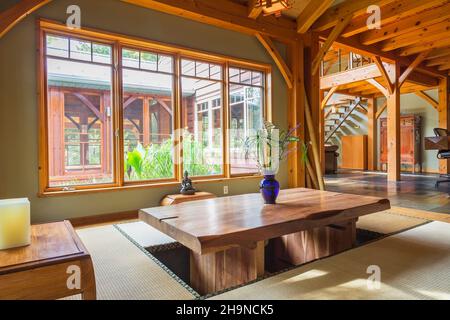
389	222
124	272
414	265
145	235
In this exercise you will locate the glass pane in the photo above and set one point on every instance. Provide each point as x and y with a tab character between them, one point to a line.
257	78
246	77
149	61
234	75
148	125
102	53
202	123
246	117
57	46
165	64
202	70
130	58
80	50
79	123
188	67
216	72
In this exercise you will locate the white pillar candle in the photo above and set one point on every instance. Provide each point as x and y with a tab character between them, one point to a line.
14	223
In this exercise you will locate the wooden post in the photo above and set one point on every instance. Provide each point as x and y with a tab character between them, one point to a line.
372	134
444	117
146	127
393	109
312	103
296	111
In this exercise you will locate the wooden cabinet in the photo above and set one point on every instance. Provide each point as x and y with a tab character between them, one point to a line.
410	143
354	152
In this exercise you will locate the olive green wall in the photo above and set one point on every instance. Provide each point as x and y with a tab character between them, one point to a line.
18	102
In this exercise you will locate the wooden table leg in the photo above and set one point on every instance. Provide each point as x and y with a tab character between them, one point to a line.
302	247
221	270
88	280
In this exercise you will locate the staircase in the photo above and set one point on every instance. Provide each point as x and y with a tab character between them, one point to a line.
342	114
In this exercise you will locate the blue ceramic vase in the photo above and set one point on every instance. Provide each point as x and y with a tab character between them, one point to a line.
270	188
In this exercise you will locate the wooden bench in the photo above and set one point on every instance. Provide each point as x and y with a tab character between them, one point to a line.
54	266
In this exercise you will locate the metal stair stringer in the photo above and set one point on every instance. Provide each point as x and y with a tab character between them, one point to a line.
352	108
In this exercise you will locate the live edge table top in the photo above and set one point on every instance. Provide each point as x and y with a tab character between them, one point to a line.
211	225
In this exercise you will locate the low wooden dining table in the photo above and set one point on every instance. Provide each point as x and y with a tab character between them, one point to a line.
234	240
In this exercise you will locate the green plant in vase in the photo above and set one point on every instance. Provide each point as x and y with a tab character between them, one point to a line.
271	146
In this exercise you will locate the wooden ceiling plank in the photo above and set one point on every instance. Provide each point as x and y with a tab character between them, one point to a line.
253	11
430	33
392	12
311	13
384	74
13	15
428	99
332	16
417	61
438	61
224	14
415	49
276	56
444	66
329	42
406	25
437	53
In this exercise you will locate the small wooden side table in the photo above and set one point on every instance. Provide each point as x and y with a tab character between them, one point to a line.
174	199
56	265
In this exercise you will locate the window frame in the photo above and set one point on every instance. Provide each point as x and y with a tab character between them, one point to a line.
117	43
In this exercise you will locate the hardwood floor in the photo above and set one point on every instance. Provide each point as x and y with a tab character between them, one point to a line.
414	191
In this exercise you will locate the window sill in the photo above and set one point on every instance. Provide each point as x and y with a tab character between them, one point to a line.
47	194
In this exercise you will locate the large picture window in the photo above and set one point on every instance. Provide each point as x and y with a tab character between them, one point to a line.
118	114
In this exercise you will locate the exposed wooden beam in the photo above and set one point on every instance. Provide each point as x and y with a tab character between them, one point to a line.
328	97
438	61
352	44
381	110
426	34
378	86
417	61
357	8
224	14
390	13
329	42
12	16
90	105
311	13
384	74
420	47
444	66
428	98
437	53
253	11
406	25
279	61
360	74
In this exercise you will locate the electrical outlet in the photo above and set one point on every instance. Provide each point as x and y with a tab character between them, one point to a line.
225	190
